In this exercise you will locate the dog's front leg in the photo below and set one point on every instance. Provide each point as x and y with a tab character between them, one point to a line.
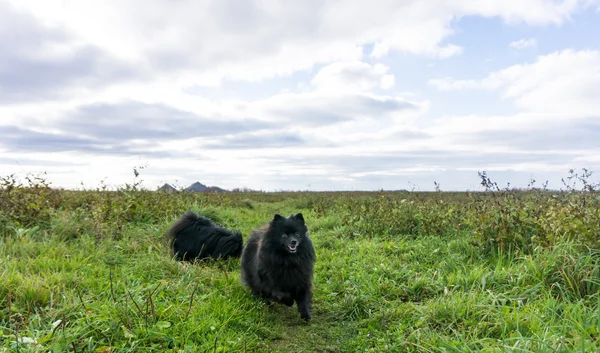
304	300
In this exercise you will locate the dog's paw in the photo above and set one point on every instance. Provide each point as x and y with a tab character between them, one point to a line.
305	314
306	317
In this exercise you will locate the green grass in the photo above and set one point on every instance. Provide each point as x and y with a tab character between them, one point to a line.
87	277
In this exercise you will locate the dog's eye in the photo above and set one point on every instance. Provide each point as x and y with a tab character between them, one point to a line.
284	235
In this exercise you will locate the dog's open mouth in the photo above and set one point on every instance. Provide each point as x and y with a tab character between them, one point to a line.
291	248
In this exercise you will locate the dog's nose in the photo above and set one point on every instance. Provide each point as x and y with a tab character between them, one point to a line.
294	242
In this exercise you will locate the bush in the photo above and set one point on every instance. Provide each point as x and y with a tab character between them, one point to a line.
27	205
390	215
500	218
520	220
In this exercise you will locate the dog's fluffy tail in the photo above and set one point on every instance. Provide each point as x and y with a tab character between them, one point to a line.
194	236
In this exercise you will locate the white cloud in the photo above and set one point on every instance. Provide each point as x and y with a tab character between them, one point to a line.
523	43
451	84
255	40
387	81
558	113
564	82
353	76
70	68
450	50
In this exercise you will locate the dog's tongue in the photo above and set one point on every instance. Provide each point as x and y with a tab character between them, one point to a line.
292	247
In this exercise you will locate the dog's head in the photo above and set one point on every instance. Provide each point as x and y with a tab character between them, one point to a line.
288	233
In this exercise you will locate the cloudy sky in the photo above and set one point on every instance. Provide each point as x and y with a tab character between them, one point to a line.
311	94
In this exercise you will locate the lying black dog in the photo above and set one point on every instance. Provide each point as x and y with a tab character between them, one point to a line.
194	236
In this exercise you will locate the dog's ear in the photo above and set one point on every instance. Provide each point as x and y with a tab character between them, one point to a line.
278	217
299	217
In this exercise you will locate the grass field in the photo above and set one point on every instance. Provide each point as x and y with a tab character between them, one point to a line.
89	271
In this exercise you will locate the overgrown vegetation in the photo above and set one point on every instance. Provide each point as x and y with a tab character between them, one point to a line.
500	270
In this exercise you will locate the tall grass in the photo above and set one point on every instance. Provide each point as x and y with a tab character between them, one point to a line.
499	270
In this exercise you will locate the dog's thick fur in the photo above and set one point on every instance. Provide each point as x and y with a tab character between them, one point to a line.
277	263
194	236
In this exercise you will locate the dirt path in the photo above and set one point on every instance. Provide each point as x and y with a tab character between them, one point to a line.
323	333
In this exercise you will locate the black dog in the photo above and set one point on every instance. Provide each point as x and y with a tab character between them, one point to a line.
196	237
277	263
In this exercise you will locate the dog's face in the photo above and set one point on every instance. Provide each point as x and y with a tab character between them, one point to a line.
288	232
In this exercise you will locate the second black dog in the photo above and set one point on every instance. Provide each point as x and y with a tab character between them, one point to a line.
194	236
